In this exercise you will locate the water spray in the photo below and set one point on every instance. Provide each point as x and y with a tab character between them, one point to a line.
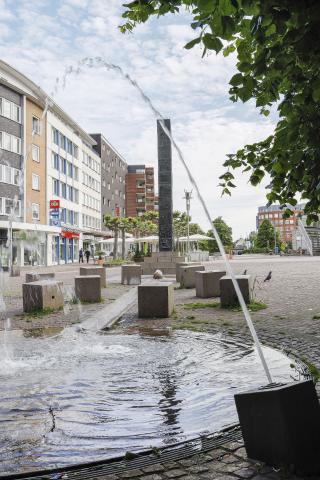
91	62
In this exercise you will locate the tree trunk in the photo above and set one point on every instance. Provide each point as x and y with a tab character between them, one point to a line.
115	245
123	249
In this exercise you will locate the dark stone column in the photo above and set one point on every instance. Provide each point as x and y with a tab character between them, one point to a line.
165	188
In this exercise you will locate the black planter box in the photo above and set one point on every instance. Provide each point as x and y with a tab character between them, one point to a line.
281	426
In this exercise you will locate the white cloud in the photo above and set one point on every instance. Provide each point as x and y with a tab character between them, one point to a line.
190	90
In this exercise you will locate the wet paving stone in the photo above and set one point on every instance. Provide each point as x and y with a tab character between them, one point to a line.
153	468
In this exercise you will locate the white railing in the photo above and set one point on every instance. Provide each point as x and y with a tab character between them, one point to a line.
306	239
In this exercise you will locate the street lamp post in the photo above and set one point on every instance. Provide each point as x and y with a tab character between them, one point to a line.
188	197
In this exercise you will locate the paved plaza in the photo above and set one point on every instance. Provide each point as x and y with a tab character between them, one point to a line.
290	322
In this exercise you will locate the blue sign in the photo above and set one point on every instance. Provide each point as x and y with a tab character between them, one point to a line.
55	213
55	222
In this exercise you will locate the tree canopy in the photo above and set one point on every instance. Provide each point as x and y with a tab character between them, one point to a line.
267	237
225	233
277	43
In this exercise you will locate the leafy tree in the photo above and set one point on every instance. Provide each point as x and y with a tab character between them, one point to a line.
277	43
113	224
225	233
266	236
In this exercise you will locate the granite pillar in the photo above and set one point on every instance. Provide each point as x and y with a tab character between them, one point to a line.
165	187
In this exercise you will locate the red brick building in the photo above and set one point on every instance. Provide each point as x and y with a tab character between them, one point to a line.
140	196
285	226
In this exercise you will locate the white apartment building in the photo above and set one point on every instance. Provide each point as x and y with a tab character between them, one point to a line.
73	179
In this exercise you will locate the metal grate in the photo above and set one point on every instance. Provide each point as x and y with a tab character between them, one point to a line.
112	466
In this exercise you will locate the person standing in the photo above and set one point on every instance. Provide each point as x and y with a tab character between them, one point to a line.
80	255
87	254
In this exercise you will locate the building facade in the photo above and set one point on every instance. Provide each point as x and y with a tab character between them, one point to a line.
73	186
285	226
113	175
23	225
12	114
140	195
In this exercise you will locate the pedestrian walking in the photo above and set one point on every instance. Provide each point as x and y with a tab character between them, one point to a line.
87	254
80	255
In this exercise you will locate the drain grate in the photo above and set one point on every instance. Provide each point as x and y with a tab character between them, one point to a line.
97	469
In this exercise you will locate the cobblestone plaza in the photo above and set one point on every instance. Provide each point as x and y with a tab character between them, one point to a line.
289	322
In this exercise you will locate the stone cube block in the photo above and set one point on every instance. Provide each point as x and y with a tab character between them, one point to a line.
101	271
179	265
88	288
35	276
41	295
281	426
188	275
228	296
131	274
208	283
155	300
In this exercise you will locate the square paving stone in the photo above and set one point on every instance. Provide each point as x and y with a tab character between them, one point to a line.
131	473
157	467
175	473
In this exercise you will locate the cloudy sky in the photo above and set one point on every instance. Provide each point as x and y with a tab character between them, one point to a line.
43	38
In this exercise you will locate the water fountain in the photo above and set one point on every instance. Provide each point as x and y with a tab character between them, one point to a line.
86	395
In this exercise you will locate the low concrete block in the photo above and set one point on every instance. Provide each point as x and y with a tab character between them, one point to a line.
155	300
188	275
35	277
208	283
41	295
88	288
179	265
281	426
228	296
131	274
101	271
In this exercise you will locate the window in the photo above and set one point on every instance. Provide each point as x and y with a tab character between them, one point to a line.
63	165
9	206
10	143
35	125
56	187
63	190
35	182
36	153
63	215
35	211
55	161
10	110
55	136
16	176
6	108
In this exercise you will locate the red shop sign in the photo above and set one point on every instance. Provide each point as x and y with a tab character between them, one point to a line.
54	203
70	234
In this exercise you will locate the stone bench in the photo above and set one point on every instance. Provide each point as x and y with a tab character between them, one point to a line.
228	296
101	271
41	295
208	283
131	274
88	288
155	300
181	265
188	275
35	277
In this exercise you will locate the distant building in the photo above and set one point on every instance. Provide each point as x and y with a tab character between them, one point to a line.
140	196
113	176
274	214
